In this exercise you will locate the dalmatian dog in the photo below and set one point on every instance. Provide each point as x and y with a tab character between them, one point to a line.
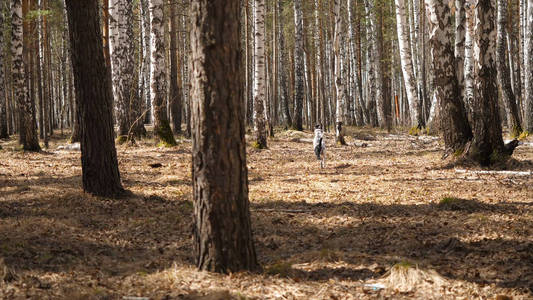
319	145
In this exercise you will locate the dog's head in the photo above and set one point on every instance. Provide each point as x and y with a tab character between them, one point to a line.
318	126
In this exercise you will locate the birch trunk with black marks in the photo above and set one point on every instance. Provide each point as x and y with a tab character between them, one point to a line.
145	67
222	233
298	65
460	33
468	97
487	146
259	75
504	78
453	122
407	66
158	84
339	85
121	51
100	174
28	136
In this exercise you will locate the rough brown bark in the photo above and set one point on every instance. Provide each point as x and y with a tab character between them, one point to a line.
93	95
222	226
175	80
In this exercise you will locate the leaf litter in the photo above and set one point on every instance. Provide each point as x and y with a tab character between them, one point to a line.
389	220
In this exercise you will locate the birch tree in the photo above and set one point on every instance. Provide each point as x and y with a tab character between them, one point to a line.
222	233
454	124
259	92
298	65
504	79
121	51
158	82
283	74
27	128
415	106
487	146
341	97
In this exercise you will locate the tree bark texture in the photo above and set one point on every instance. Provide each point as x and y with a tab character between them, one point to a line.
222	227
298	65
259	92
100	174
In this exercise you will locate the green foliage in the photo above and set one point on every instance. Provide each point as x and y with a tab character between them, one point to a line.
34	14
258	145
165	135
447	201
282	269
403	265
515	132
458	152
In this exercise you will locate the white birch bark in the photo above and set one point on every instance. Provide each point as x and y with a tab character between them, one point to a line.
407	64
259	92
146	45
121	50
469	63
460	22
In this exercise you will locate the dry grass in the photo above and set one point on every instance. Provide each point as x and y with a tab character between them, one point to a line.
320	234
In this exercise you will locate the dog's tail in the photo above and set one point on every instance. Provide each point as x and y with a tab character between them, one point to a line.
318	149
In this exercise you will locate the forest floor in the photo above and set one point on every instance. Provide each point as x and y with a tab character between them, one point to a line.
386	219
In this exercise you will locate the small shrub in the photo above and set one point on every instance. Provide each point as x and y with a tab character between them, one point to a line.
523	135
121	139
415	131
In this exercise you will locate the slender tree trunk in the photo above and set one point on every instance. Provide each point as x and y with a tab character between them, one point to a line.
158	84
259	75
298	65
454	124
283	71
407	66
175	78
3	97
145	29
528	55
487	146
222	227
100	172
341	97
504	78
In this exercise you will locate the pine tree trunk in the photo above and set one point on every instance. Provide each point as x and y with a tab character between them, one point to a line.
28	136
407	66
100	174
504	79
259	75
3	99
222	227
454	124
487	146
158	84
298	65
175	78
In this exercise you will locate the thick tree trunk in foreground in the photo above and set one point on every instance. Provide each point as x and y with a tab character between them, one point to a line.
222	227
28	136
454	124
259	75
487	146
504	79
94	98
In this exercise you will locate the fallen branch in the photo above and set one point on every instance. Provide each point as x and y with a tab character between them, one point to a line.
516	173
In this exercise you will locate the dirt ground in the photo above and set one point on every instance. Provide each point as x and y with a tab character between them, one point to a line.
386	219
